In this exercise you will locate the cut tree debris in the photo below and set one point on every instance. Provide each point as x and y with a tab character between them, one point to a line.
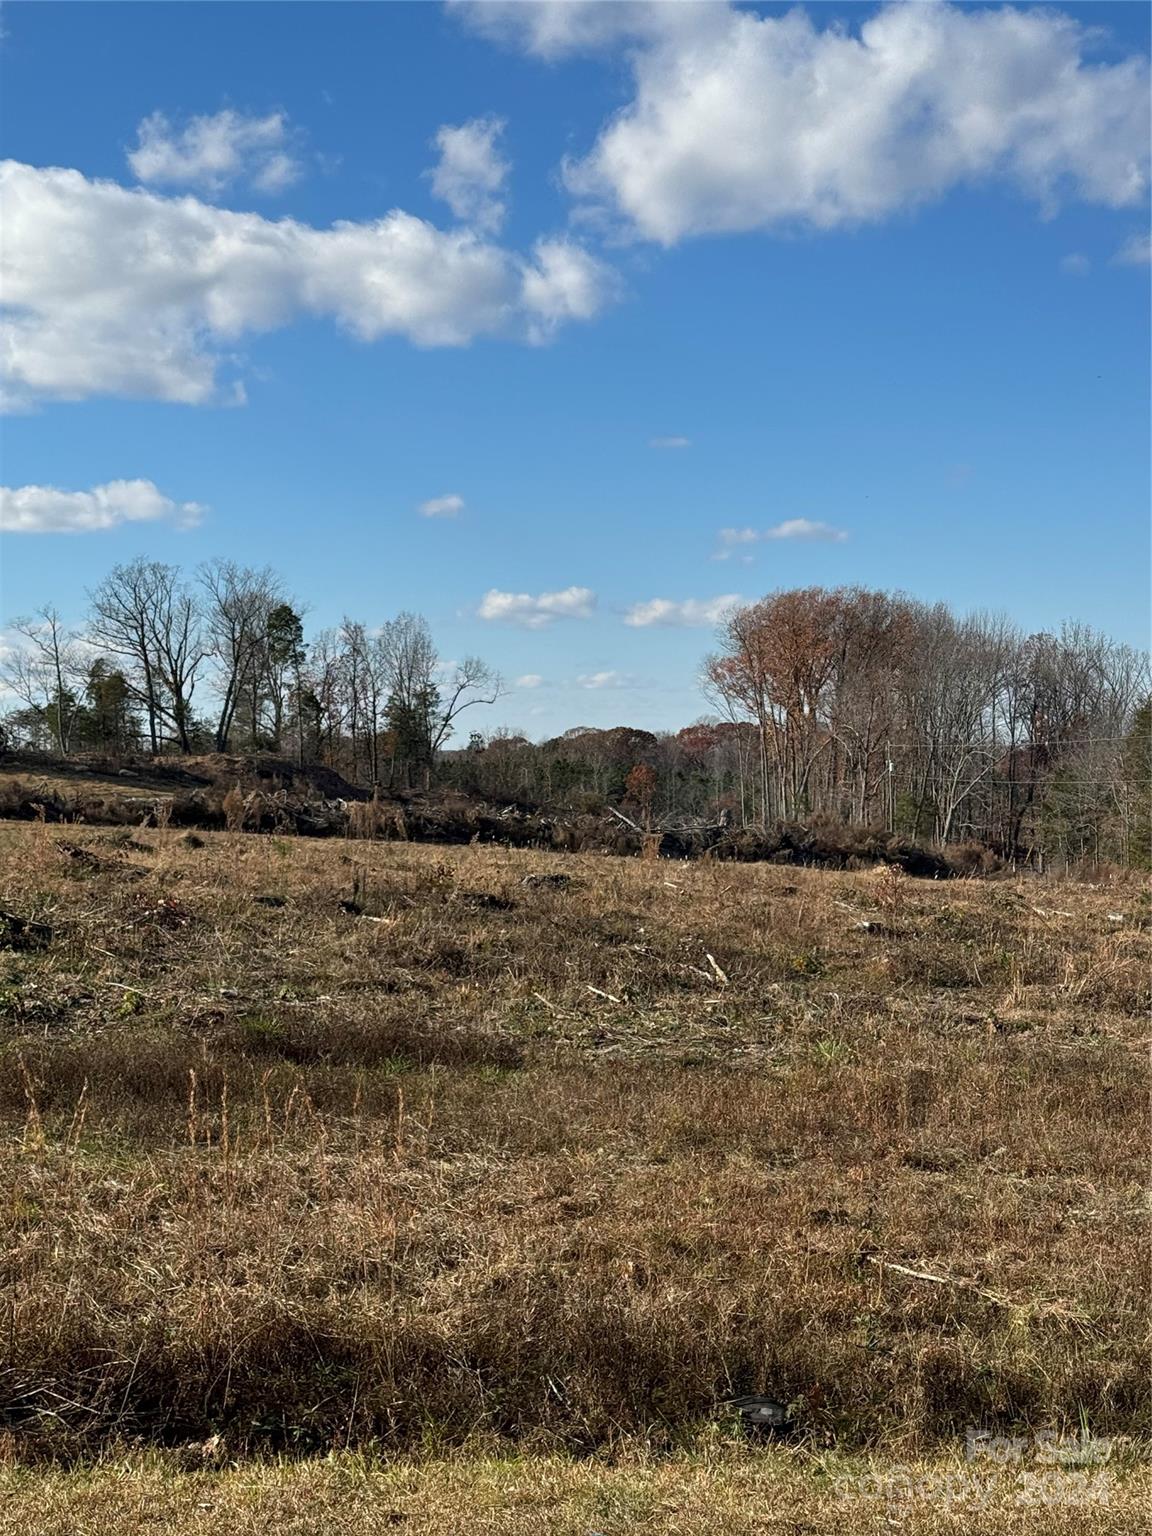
22	933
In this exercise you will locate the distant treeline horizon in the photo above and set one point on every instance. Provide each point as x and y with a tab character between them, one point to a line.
868	707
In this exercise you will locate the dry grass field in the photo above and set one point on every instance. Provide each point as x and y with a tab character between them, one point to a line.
488	1176
734	1494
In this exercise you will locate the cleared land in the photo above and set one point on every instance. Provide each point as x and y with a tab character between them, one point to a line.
357	1147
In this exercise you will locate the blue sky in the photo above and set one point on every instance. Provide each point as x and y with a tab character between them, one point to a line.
902	327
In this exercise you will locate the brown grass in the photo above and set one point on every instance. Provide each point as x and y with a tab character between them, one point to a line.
731	1495
324	1146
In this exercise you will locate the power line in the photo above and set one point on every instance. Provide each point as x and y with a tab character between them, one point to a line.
1005	746
1039	783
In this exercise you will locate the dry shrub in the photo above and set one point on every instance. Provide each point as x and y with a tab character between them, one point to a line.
973	859
235	809
373	819
827	844
364	820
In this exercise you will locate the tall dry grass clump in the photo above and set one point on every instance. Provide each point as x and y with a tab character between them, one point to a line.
234	808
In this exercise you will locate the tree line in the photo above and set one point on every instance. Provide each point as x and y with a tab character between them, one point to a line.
872	709
219	662
861	706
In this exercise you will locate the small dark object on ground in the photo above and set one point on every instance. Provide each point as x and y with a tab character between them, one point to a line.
167	913
79	855
123	842
85	859
485	902
353	908
761	1415
190	840
548	882
270	901
22	933
822	1217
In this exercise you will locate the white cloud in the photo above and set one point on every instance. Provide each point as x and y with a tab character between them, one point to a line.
689	613
213	152
609	679
530	680
803	528
44	509
1135	252
278	172
563	282
442	506
741	121
471	173
732	539
537	612
112	291
552	28
670	442
1075	265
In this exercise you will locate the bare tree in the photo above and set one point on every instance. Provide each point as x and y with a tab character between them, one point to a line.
951	690
238	604
322	696
145	614
367	681
44	673
875	630
466	683
778	665
424	699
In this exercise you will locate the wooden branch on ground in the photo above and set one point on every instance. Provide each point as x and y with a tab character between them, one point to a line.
1047	1307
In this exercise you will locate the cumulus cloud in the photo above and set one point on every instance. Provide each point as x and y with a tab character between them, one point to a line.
562	283
213	152
1076	264
442	506
117	291
740	121
1135	252
471	173
669	442
44	509
733	539
688	613
539	611
530	680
